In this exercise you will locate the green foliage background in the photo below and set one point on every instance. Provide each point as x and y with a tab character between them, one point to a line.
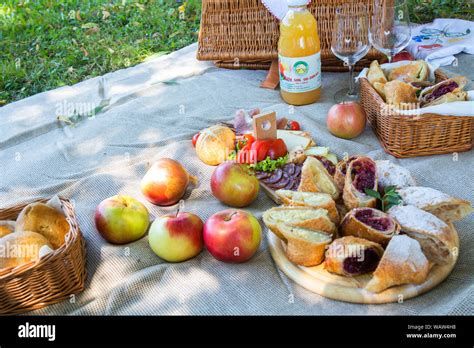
45	44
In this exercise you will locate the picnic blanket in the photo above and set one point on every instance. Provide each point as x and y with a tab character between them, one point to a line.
113	127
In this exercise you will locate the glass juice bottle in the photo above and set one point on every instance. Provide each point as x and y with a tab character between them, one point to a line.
299	55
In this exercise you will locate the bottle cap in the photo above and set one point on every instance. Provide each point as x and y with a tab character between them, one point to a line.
297	2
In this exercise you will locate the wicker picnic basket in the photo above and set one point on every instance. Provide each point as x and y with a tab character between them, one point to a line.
239	34
419	135
51	279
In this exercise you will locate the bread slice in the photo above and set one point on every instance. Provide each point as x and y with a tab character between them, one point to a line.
310	199
304	217
315	178
305	247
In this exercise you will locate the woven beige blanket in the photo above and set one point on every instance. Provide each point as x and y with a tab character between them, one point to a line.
151	111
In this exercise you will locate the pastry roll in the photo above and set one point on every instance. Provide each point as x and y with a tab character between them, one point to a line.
391	174
412	72
448	98
398	92
445	91
304	217
375	73
340	172
369	223
305	247
310	199
361	174
440	204
402	263
435	237
351	256
315	178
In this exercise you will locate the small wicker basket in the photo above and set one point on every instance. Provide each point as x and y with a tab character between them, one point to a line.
243	34
419	135
51	279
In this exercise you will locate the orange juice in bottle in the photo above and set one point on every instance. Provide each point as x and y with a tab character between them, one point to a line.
299	56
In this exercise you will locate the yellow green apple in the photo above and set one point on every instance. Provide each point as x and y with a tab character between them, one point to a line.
121	219
176	237
232	184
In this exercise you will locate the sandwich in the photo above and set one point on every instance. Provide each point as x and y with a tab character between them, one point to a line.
412	72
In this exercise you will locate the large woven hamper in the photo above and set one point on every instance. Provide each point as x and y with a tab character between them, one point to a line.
240	34
53	278
420	135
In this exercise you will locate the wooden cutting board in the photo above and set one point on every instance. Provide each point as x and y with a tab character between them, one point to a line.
351	289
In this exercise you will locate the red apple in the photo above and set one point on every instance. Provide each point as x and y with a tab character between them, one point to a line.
403	55
176	237
121	219
346	120
232	235
232	184
166	182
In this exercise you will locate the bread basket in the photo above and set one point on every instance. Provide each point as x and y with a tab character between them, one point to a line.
52	278
239	34
418	135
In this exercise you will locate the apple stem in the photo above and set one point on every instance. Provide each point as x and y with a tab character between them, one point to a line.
230	216
180	206
193	179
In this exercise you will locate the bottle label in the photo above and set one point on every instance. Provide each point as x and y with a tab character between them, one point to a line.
298	75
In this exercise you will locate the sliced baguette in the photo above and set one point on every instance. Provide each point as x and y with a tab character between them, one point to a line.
310	199
305	247
304	217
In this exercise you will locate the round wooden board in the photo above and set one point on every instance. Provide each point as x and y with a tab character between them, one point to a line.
320	281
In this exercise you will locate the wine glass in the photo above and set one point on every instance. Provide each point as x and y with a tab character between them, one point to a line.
350	42
390	30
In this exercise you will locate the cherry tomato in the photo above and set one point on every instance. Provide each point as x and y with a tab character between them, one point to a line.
277	149
293	125
195	138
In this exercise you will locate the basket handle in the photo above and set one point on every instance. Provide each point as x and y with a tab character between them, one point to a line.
272	80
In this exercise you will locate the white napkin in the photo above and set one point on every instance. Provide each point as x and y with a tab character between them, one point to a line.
439	41
278	8
460	108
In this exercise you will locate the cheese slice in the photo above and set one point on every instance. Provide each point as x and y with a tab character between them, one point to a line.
294	139
317	151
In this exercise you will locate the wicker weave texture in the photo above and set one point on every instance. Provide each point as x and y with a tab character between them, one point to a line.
244	34
49	280
411	136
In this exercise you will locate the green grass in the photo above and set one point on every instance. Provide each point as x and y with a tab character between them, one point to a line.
45	44
424	11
